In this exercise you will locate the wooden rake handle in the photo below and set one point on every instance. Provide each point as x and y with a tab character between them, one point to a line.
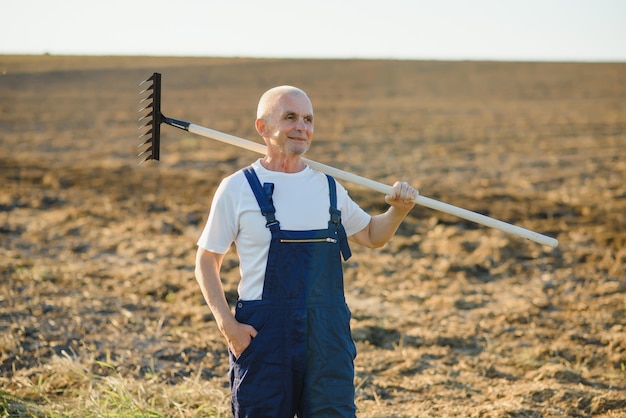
371	184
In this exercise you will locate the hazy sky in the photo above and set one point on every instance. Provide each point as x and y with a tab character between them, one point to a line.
555	30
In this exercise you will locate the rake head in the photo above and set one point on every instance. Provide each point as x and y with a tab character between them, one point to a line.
152	119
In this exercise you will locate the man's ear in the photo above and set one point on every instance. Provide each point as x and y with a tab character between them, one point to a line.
260	126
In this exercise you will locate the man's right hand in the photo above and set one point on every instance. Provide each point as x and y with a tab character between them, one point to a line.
239	336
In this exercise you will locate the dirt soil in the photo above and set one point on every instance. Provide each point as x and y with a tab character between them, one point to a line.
450	318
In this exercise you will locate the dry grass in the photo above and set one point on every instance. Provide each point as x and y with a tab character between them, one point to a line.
72	386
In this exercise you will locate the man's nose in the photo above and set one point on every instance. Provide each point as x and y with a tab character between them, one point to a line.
300	124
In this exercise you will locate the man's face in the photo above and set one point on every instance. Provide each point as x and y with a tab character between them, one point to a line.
290	126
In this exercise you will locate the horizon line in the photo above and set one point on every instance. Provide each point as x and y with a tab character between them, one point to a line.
327	58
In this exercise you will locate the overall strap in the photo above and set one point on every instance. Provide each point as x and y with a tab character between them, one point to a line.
335	219
263	195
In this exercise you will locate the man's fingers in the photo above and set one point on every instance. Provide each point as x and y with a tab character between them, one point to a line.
253	332
404	191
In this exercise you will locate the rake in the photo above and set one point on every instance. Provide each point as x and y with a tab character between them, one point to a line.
154	118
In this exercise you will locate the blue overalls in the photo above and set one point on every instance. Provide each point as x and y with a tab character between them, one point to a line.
302	360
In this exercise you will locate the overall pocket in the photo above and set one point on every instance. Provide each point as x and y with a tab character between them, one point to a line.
266	347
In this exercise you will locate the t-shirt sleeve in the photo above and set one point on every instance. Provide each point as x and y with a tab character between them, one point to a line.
353	217
221	227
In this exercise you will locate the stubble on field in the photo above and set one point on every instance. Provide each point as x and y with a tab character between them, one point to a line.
101	311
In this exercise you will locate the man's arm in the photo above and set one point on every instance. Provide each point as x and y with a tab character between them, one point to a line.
383	227
238	335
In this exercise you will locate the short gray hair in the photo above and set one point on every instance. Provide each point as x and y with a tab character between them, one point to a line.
270	98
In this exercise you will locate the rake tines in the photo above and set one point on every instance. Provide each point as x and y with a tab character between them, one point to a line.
153	119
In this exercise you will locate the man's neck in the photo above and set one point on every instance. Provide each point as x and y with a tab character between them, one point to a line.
292	164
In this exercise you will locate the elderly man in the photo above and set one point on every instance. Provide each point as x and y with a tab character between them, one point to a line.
291	351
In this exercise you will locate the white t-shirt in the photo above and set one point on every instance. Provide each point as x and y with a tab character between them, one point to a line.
301	201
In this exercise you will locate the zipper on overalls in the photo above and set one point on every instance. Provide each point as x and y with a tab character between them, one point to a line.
333	240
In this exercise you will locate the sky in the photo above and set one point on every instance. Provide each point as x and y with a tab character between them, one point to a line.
502	30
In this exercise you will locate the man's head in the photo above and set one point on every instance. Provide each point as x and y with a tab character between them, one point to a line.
285	120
